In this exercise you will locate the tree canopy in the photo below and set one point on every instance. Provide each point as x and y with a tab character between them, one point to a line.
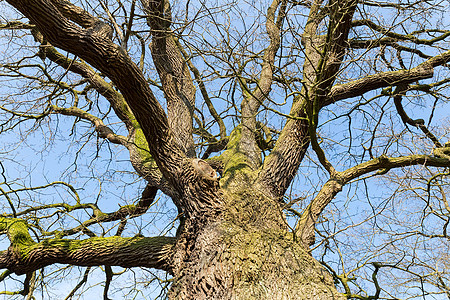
225	149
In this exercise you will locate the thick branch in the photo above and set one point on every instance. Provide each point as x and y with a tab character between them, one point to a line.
376	81
173	71
391	163
281	165
253	99
305	228
75	13
16	25
24	255
306	225
95	48
323	57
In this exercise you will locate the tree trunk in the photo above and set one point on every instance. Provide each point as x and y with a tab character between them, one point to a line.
246	253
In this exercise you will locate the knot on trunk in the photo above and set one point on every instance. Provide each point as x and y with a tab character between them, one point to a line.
101	29
204	170
201	194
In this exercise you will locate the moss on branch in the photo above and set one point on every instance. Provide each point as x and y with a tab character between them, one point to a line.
24	255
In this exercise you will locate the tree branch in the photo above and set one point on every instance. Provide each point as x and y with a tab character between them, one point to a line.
138	146
105	89
398	36
370	44
95	47
305	227
384	79
24	255
204	92
173	71
75	13
103	131
323	57
123	213
419	123
253	99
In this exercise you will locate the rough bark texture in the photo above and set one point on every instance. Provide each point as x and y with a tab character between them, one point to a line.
174	73
233	241
24	255
247	254
237	263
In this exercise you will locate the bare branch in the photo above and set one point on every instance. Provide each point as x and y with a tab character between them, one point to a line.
324	56
173	71
401	37
253	99
204	92
384	79
305	227
117	101
420	123
103	131
24	255
95	47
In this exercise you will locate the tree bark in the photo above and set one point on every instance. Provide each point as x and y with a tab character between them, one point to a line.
233	242
24	255
247	253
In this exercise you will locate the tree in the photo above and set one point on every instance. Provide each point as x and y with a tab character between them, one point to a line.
268	125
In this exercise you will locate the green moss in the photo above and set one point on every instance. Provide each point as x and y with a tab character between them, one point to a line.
262	257
100	215
249	208
17	231
68	245
142	148
237	170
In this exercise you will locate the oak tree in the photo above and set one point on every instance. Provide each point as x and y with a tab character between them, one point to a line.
301	143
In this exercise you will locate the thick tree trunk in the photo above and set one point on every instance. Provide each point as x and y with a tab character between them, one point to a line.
246	253
234	243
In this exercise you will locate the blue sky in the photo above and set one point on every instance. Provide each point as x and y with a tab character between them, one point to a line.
102	173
